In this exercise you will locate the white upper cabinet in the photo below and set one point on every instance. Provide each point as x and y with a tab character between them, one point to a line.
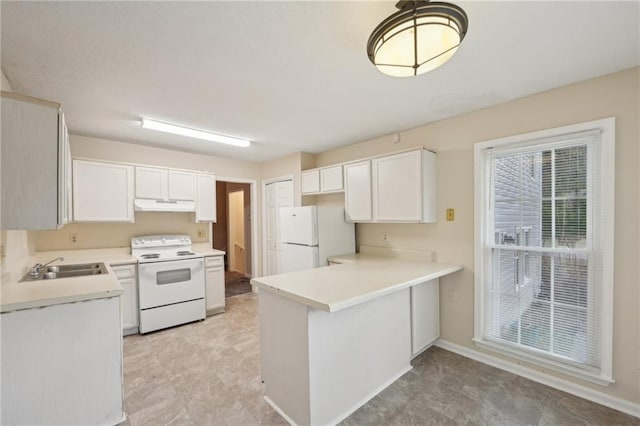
331	179
206	198
182	185
311	181
357	196
102	192
322	180
152	183
35	164
156	183
405	187
393	188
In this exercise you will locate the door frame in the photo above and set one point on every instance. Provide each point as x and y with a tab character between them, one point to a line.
266	182
254	214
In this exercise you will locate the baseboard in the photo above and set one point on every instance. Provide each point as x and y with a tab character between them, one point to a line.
546	379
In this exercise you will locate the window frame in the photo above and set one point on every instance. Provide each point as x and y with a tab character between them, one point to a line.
605	237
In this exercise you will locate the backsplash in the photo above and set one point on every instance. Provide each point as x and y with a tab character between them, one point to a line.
109	235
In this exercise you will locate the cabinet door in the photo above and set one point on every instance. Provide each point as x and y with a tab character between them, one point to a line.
358	191
214	279
311	181
206	199
398	187
129	306
127	277
425	315
30	164
182	185
331	179
102	192
151	183
64	172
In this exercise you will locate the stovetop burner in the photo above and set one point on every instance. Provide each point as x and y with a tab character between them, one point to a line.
185	253
150	256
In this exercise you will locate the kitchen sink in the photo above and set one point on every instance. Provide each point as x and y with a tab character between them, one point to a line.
68	271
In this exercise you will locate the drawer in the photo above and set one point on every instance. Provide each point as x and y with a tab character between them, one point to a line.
211	261
124	271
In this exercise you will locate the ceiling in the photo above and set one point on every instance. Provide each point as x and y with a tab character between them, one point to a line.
291	76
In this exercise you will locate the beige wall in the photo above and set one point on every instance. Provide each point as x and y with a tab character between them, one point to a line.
614	95
108	235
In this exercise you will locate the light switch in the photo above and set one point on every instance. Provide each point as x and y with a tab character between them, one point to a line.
450	215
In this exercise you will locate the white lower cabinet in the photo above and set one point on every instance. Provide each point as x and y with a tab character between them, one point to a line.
62	364
214	281
128	279
425	316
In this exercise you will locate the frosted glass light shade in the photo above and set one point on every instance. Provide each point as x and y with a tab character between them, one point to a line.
418	39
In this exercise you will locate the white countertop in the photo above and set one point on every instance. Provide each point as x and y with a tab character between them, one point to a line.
17	295
359	278
206	250
38	294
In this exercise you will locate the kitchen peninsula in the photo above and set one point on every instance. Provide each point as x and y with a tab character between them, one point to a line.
331	338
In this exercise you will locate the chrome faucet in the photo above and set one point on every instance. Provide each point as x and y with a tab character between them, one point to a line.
37	268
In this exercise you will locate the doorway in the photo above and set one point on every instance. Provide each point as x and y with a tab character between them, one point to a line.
232	233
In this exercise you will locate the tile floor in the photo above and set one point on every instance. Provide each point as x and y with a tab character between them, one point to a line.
207	373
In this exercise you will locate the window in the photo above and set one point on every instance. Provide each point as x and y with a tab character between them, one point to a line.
544	248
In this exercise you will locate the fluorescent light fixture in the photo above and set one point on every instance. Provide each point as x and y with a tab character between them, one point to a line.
193	133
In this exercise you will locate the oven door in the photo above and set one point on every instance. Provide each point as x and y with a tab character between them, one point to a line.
165	283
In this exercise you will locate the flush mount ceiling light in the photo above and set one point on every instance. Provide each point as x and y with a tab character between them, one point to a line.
193	133
419	38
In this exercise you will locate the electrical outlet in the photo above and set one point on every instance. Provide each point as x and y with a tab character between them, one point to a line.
73	238
385	236
450	214
200	233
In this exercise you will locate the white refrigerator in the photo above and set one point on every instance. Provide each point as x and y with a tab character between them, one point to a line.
311	234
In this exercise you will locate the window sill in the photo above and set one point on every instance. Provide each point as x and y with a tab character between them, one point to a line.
593	377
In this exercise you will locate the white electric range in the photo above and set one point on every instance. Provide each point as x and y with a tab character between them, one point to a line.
170	280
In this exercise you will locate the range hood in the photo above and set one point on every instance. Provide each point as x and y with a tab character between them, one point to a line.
142	205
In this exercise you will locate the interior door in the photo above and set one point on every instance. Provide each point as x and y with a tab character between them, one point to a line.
278	194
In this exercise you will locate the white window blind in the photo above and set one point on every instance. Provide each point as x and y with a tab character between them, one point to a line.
542	261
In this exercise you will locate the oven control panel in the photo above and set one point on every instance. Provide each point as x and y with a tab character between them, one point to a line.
160	241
